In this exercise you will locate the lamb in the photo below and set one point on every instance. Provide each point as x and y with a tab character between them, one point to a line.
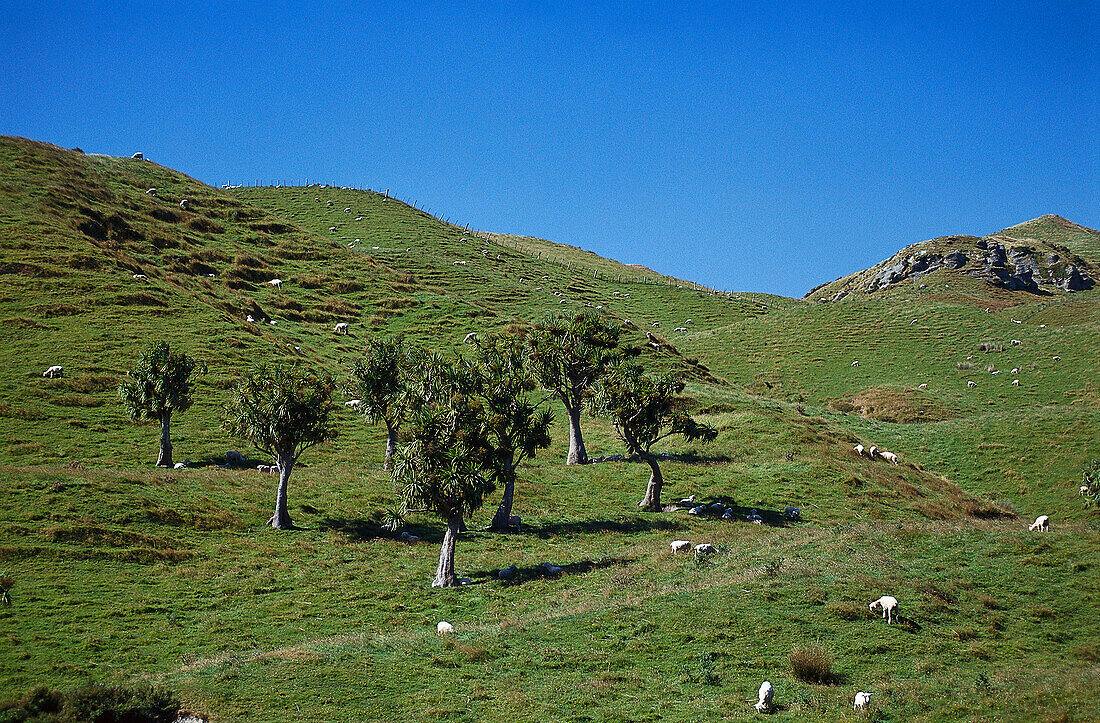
277	283
249	319
859	450
444	628
151	192
656	325
862	701
922	386
1015	382
459	263
764	702
872	452
1015	370
1016	342
679	545
179	465
54	372
1041	524
855	363
889	457
341	328
470	338
140	277
185	204
332	229
971	384
688	500
353	403
889	607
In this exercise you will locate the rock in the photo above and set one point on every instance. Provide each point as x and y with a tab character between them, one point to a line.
955	260
1075	280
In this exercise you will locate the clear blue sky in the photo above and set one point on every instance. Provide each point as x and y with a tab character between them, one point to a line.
756	146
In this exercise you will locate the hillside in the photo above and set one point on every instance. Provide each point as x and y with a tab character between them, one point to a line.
1043	256
124	573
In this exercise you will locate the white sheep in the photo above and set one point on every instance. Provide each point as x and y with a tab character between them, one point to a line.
764	702
1041	524
249	319
140	277
1015	382
138	156
855	363
1084	490
444	628
680	328
922	386
889	457
872	452
862	701
679	545
971	384
179	465
341	328
347	210
277	283
353	403
54	372
859	450
1056	358
889	607
185	204
656	324
688	500
459	263
1015	370
705	549
1016	342
470	338
151	192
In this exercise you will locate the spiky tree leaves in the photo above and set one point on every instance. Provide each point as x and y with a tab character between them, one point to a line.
641	408
282	411
444	466
157	387
378	380
516	427
567	354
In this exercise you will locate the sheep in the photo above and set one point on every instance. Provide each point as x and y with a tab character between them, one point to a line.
232	458
328	203
332	229
140	277
889	457
444	628
679	545
1016	342
1015	382
353	403
1041	524
1084	490
151	192
680	328
872	452
179	465
656	325
277	283
54	372
341	328
470	338
551	568
705	549
1056	358
862	701
859	450
697	510
1015	370
855	363
272	322
138	156
971	384
688	500
922	386
764	702
459	263
410	538
515	521
889	607
249	319
347	210
792	513
185	204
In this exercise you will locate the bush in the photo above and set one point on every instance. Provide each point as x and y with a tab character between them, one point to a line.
93	704
812	664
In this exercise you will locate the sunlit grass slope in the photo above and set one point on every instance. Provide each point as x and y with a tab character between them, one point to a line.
125	573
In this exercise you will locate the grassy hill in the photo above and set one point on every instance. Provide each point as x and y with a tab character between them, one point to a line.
125	573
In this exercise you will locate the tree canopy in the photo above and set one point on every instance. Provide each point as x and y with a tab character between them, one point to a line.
158	386
379	380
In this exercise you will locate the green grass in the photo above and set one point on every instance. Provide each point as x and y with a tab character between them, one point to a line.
125	574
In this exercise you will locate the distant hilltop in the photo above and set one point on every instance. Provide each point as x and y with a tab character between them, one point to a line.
1046	255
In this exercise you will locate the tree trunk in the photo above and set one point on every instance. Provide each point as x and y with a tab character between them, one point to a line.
164	459
576	455
652	499
503	514
391	444
281	519
445	573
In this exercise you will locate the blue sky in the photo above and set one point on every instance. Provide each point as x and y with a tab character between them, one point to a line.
756	147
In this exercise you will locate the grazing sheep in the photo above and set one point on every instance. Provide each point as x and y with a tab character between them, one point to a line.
1015	382
551	569
971	384
1015	370
792	513
705	549
1056	358
764	702
679	545
1016	342
459	263
859	450
470	338
341	328
272	322
54	372
1041	524
249	319
855	363
1084	490
889	457
138	156
185	204
688	500
889	607
328	203
353	403
347	210
443	628
332	229
140	277
151	192
179	465
872	452
862	701
697	510
277	283
656	324
922	386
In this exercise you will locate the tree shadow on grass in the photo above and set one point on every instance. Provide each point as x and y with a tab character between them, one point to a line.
530	573
739	513
359	529
591	527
